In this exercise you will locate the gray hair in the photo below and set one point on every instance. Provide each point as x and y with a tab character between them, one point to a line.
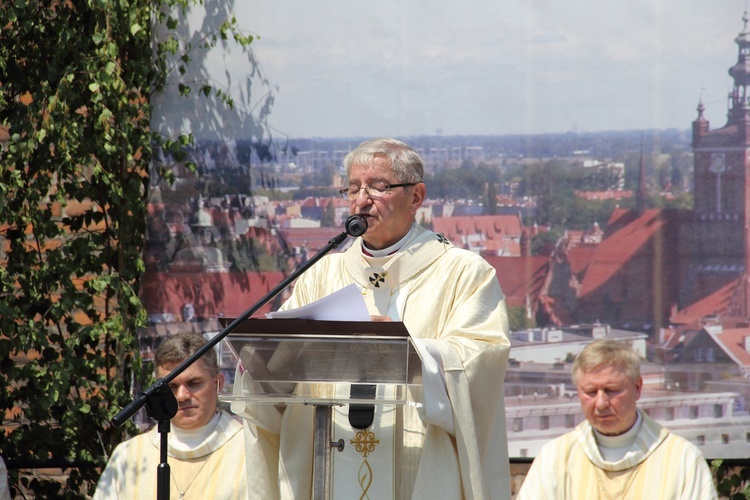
608	352
181	346
405	162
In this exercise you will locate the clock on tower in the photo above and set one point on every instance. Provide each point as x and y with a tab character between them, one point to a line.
718	163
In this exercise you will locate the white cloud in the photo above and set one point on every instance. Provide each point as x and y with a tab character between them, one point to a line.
489	66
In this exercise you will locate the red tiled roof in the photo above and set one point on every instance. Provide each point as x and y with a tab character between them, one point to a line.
491	226
618	217
716	303
312	238
212	294
684	337
732	341
579	257
519	276
613	252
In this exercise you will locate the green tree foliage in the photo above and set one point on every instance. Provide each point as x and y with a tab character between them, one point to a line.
544	242
466	183
76	84
732	482
73	216
320	178
247	255
490	205
554	185
518	319
680	201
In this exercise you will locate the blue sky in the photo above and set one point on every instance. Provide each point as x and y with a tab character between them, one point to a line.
352	68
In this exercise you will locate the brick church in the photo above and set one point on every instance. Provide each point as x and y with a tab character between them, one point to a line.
656	268
720	247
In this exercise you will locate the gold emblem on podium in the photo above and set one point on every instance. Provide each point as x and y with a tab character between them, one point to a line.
364	443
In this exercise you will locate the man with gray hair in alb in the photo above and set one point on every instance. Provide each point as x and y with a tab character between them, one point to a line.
618	451
452	446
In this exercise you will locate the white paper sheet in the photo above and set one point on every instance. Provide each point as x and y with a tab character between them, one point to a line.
346	304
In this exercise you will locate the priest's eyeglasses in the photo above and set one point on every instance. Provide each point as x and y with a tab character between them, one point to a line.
377	189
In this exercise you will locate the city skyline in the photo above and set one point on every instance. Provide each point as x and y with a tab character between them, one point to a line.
343	69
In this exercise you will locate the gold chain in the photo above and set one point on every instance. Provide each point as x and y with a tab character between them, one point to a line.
182	492
599	473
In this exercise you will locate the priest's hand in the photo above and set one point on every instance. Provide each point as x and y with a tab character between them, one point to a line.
380	318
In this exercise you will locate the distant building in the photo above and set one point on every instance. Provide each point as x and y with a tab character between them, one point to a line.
315	208
200	254
558	345
649	262
487	234
605	195
715	422
299	223
719	227
615	169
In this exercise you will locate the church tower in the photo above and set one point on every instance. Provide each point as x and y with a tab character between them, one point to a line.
721	166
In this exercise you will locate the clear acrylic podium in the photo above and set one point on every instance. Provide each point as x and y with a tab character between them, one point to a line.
298	361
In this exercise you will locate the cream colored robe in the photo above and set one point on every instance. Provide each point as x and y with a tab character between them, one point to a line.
660	465
446	294
215	469
4	488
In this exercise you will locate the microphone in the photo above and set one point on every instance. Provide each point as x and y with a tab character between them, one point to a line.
356	225
161	403
360	416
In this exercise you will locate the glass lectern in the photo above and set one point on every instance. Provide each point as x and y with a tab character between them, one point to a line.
298	361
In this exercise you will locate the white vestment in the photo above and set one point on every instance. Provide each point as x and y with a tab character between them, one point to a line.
452	299
213	469
4	488
658	464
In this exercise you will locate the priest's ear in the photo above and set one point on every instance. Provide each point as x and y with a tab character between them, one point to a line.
219	382
418	195
638	387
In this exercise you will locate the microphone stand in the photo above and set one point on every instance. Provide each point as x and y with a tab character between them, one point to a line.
159	400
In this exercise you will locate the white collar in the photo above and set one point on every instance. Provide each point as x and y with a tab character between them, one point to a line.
621	440
191	439
391	249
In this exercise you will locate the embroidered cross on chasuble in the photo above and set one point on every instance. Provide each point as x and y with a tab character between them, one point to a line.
365	468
